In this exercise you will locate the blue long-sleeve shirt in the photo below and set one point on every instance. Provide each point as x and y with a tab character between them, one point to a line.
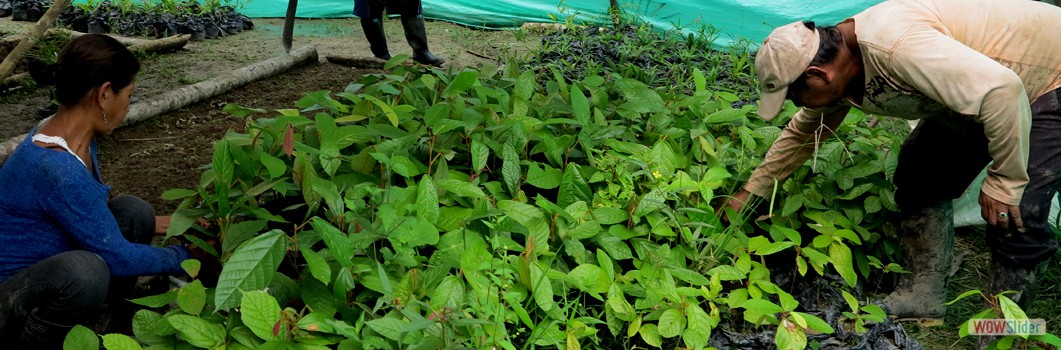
51	203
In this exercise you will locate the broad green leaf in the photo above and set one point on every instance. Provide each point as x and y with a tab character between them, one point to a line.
317	322
590	278
191	267
606	264
762	306
699	327
240	232
427	200
580	104
964	295
671	323
480	154
609	215
573	187
815	323
339	245
584	230
318	267
725	116
964	328
81	338
120	342
872	204
157	301
387	327
274	165
192	297
544	176
197	331
448	294
150	327
651	202
542	287
464	81
650	334
461	188
178	193
510	170
260	312
790	337
251	267
404	167
840	256
617	301
521	212
1010	309
387	109
415	231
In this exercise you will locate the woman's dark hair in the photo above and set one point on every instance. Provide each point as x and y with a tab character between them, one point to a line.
828	50
88	61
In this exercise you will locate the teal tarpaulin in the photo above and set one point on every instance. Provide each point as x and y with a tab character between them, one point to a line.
749	19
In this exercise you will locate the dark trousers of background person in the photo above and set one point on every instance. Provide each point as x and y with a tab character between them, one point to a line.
941	158
41	303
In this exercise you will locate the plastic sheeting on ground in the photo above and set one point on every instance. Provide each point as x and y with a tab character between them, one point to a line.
735	19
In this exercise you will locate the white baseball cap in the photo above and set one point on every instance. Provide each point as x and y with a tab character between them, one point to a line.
782	59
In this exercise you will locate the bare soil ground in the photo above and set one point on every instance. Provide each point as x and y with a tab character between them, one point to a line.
169	151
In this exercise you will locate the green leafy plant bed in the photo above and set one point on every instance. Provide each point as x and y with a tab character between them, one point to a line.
512	209
661	60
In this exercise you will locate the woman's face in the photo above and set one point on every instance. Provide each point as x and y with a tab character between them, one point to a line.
117	106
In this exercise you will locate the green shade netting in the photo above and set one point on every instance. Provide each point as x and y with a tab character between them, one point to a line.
734	19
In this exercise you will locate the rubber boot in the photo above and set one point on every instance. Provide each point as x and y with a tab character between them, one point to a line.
41	334
1005	277
416	34
927	241
377	39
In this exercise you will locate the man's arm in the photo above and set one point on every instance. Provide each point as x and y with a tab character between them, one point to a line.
973	84
797	143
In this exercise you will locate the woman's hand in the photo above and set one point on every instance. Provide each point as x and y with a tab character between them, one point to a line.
162	225
999	214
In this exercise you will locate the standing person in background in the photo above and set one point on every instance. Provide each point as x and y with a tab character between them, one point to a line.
983	77
371	14
65	247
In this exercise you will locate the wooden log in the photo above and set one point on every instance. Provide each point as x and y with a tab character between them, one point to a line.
7	67
190	94
161	45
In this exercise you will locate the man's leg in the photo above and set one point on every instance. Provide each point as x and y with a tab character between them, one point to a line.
371	14
416	32
937	162
1015	255
40	304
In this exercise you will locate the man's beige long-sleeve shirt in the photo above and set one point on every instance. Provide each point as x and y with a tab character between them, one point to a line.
980	59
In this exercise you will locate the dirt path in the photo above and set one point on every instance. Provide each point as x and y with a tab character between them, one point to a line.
170	151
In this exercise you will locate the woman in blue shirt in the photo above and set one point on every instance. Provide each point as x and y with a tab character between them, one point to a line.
64	243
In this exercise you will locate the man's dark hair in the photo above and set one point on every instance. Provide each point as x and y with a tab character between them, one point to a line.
828	50
87	62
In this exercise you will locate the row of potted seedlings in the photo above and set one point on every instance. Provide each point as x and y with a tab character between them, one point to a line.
209	21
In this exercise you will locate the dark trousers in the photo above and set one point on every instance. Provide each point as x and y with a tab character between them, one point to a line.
941	157
375	8
64	290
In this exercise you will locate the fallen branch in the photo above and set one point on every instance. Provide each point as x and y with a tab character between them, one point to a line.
476	54
187	95
127	41
7	67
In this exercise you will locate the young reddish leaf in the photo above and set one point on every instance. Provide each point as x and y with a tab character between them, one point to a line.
289	140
